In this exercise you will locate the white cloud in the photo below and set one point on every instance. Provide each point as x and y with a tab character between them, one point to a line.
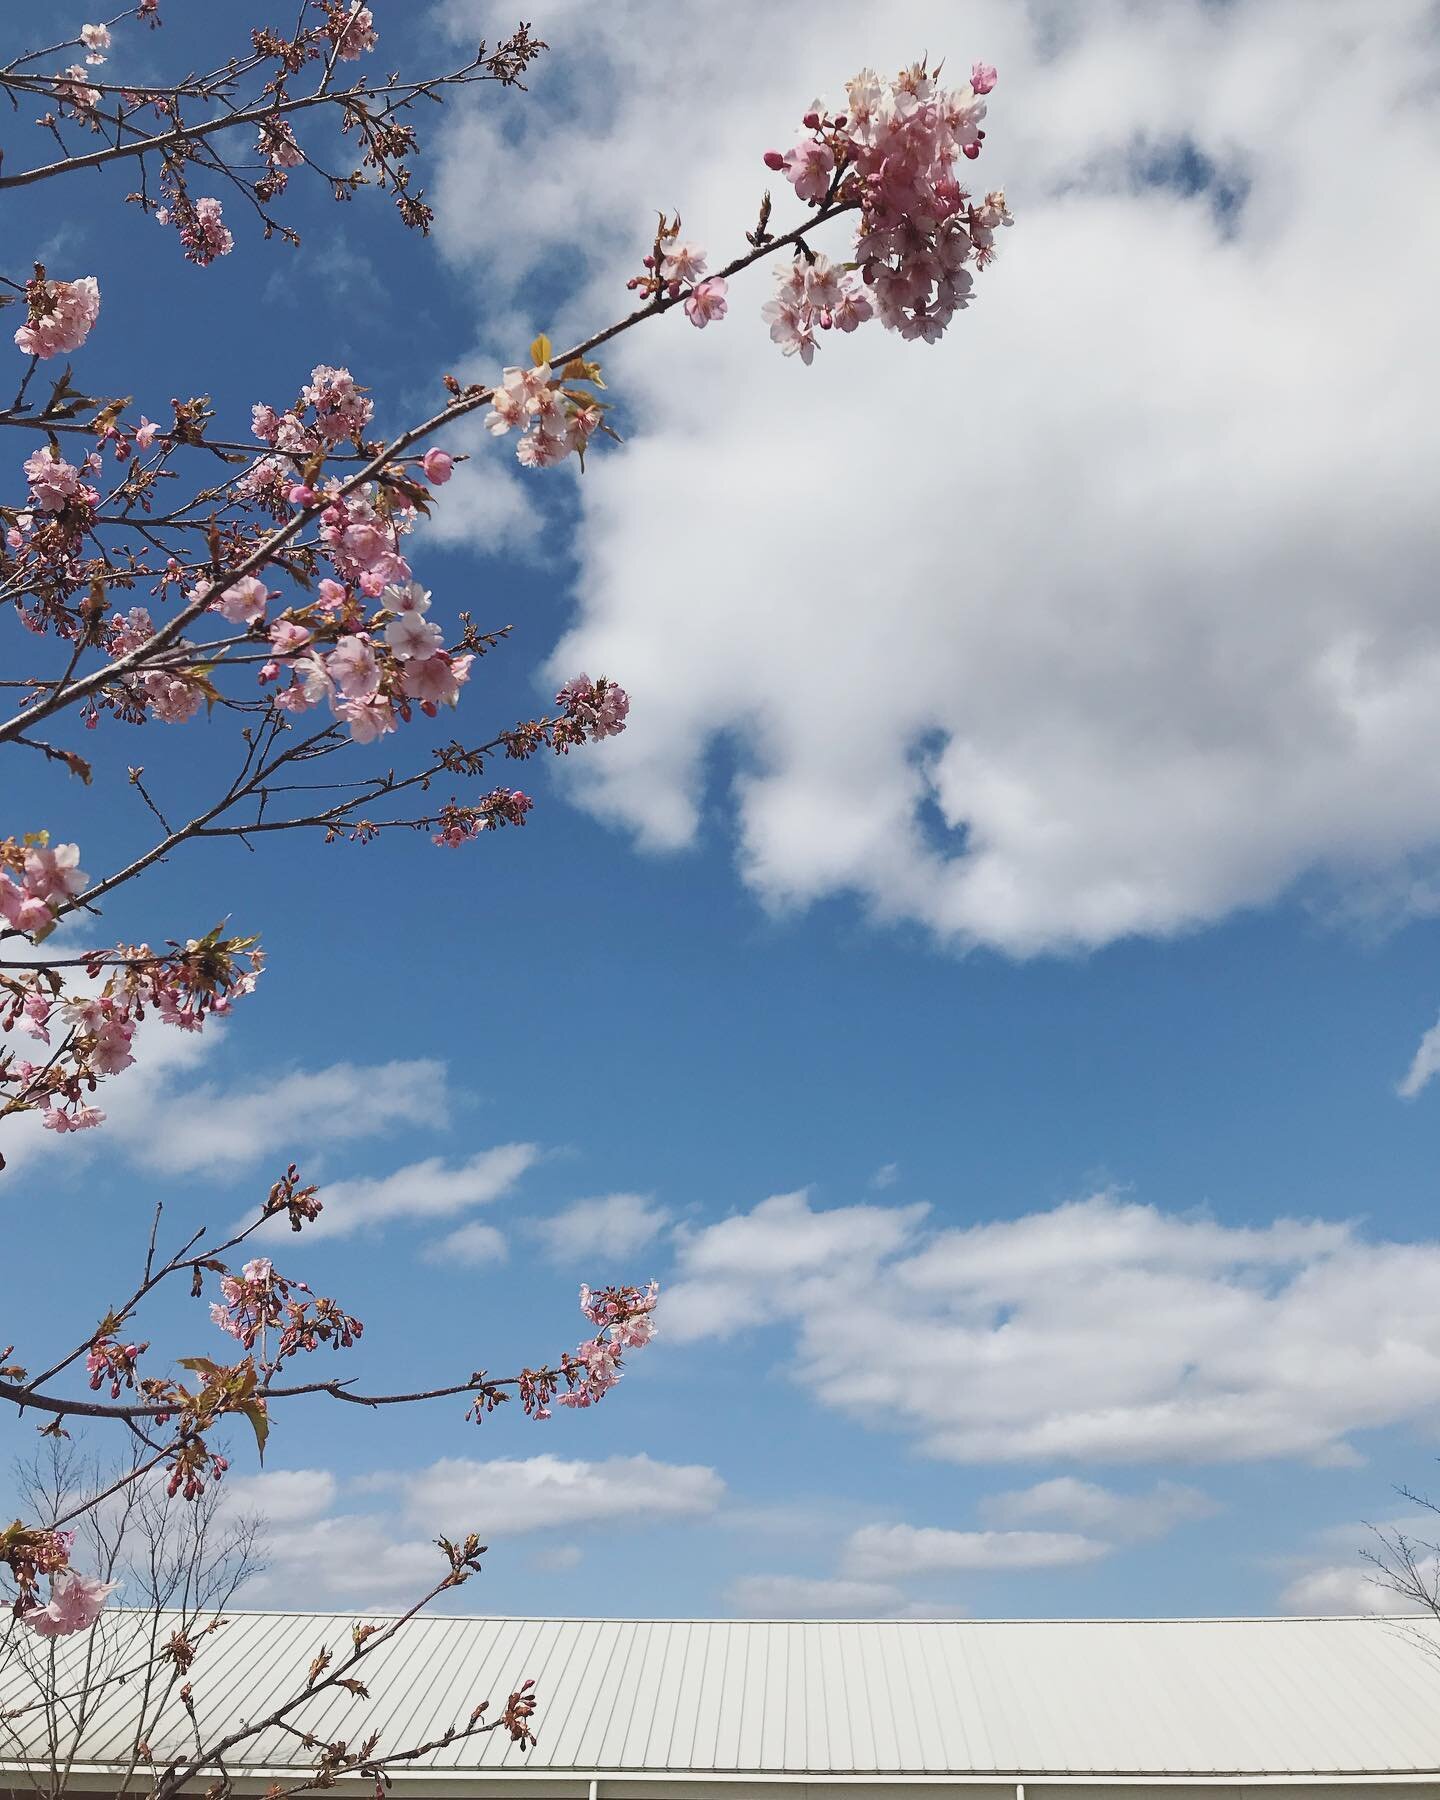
891	1551
1099	1330
732	1274
1087	1506
432	1189
610	1225
473	1245
886	1175
282	1496
1424	1065
1340	1590
1088	652
801	1597
509	1496
215	1127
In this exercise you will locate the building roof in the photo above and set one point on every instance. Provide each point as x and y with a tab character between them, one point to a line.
890	1703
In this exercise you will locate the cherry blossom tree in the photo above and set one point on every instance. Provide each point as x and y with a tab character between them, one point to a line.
183	573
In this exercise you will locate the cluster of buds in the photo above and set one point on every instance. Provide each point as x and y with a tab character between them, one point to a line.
111	1361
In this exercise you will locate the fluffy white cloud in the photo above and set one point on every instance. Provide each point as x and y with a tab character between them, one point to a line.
281	1496
1340	1590
787	1245
609	1225
215	1127
511	1495
1099	1330
431	1189
1087	1506
1053	632
881	1551
803	1597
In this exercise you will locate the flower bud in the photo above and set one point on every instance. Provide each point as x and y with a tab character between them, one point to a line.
774	160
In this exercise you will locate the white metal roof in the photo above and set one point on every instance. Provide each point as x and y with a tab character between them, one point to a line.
698	1702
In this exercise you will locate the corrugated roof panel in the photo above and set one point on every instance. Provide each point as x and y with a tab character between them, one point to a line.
1143	1698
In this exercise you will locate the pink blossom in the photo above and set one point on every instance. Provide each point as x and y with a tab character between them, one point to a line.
983	77
356	34
205	235
436	680
351	665
409	598
75	1603
146	433
341	408
808	168
62	315
264	422
243	602
438	465
330	595
683	262
78	1117
601	707
706	302
288	637
411	634
73	90
368	717
54	872
171	698
96	39
52	480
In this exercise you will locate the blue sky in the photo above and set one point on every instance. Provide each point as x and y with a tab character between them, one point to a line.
1027	822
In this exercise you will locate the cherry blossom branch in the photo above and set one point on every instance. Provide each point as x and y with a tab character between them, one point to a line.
167	635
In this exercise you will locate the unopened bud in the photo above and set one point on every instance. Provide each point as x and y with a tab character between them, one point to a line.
774	160
811	121
841	121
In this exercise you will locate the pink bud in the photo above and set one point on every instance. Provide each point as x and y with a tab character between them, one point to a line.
811	121
774	160
438	465
841	121
300	495
647	262
972	151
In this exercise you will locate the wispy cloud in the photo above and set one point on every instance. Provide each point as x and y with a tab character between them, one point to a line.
610	1225
430	1189
895	1551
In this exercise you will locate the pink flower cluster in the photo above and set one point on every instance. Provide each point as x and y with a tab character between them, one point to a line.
260	1301
553	422
76	96
54	483
893	153
60	315
625	1316
202	229
75	1604
96	39
376	670
252	1300
48	878
352	30
814	295
110	1361
600	708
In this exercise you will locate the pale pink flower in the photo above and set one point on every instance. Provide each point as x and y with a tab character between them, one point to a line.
683	262
63	313
53	872
146	433
706	302
75	1603
79	1117
351	665
437	680
411	634
171	698
264	422
96	39
983	77
206	236
314	679
368	717
410	597
438	465
288	637
808	168
356	34
243	602
52	480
